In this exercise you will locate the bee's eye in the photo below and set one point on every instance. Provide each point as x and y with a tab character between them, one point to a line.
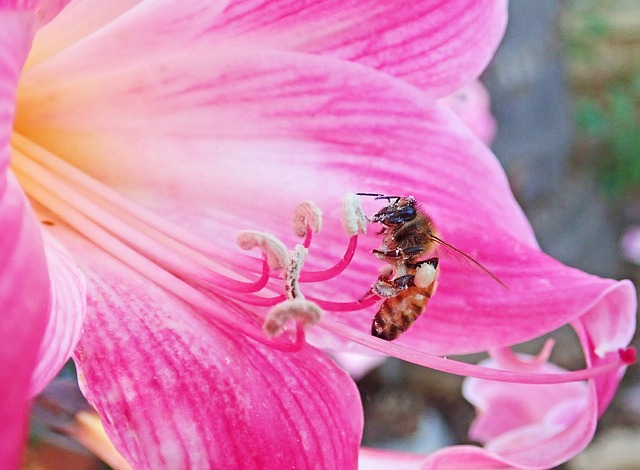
406	213
400	216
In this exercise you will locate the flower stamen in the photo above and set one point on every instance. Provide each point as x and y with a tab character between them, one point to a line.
292	273
354	222
307	219
330	273
304	313
346	306
353	218
509	360
153	256
274	249
173	258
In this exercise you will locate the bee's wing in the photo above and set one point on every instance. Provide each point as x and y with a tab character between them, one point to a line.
467	258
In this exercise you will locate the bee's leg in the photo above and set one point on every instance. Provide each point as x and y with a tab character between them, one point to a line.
383	284
368	294
385	287
391	288
400	253
432	261
385	276
387	253
402	282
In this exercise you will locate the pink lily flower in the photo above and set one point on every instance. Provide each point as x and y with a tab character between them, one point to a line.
148	134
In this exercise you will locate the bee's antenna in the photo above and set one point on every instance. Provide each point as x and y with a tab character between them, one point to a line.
380	196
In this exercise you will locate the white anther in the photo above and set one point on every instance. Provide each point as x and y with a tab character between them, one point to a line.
353	218
306	213
296	260
303	311
277	255
425	275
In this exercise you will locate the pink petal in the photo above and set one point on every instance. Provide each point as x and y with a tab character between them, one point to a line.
15	40
176	391
378	459
432	44
602	335
610	325
48	10
467	457
455	458
450	458
630	244
357	364
18	6
225	132
472	104
24	296
84	20
24	284
501	406
533	426
66	314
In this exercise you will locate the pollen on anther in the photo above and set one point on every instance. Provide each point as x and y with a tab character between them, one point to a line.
297	258
276	251
353	218
306	214
300	310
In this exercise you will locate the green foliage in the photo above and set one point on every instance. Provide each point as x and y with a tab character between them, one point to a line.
588	27
614	121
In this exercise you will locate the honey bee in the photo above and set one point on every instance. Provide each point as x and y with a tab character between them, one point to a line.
407	285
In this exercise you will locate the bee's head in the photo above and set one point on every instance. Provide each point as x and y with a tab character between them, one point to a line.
398	212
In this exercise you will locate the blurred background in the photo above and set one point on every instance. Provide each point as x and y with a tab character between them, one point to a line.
564	89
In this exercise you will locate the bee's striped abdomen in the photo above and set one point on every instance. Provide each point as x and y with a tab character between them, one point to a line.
398	313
